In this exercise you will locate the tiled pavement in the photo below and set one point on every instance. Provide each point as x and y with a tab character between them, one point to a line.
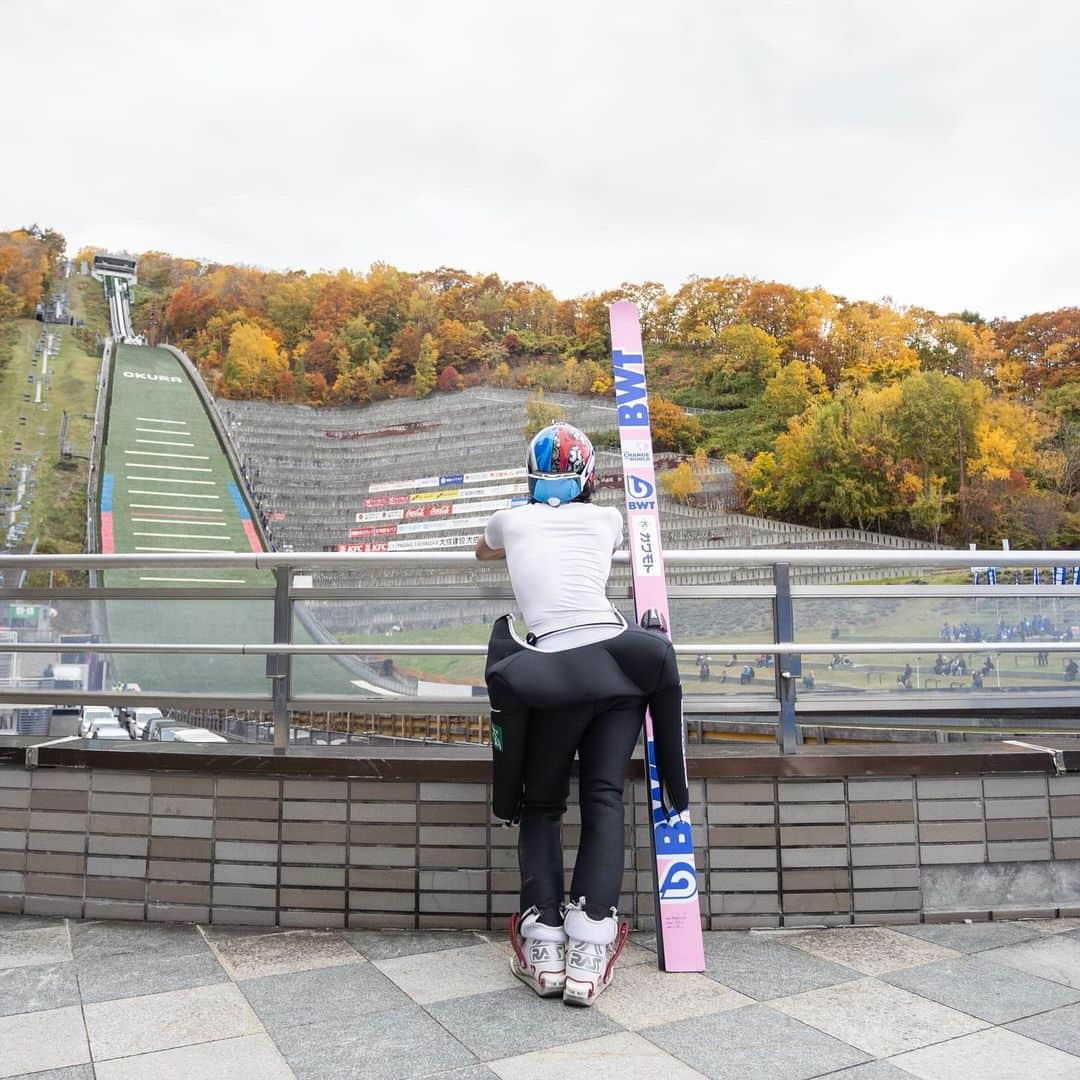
137	1001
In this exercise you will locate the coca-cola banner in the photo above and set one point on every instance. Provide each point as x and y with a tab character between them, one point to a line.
429	510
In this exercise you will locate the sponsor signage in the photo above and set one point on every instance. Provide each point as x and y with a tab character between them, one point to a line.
432	510
429	543
388	500
149	376
452	479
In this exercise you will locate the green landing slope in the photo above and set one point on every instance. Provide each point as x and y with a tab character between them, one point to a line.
167	487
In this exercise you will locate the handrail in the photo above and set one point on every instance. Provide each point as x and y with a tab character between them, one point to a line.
1043	707
706	558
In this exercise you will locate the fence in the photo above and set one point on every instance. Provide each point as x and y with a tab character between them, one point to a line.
766	628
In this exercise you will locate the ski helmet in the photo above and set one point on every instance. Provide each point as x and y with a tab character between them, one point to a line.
560	464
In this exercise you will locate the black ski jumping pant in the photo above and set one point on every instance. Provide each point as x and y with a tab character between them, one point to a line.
603	734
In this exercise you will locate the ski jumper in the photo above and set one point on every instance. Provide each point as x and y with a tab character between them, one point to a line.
578	684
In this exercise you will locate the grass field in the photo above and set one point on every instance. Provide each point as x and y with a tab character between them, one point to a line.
57	516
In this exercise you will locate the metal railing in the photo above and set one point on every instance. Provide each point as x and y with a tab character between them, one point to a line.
1013	711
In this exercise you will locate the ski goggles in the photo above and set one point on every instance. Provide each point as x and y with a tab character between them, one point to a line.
555	488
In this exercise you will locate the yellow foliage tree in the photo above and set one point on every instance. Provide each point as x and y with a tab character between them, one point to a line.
254	364
681	482
539	413
427	361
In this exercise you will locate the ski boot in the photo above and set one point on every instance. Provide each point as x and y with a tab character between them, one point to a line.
539	959
592	947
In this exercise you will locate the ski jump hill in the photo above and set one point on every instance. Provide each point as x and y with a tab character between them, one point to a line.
167	484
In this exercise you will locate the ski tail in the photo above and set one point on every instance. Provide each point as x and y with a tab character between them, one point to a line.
679	943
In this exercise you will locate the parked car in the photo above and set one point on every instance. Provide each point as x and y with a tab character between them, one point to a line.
192	735
110	731
157	728
92	714
141	720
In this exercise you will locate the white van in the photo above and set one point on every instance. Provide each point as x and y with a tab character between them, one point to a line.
144	718
192	735
95	714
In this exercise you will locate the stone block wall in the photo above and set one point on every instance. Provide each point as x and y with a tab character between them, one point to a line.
330	851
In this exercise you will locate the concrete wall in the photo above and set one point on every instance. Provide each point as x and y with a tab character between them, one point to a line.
319	851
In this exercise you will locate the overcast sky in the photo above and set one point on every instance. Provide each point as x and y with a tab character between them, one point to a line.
925	151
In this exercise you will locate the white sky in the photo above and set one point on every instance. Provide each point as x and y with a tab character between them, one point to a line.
925	151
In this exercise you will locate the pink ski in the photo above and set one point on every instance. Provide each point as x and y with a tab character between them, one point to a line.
679	944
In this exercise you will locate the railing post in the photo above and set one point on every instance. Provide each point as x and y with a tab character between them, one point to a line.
787	667
279	668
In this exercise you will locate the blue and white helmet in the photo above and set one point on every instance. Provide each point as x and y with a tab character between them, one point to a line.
560	463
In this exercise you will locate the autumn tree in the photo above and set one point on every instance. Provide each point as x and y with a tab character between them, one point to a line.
255	364
539	413
682	482
427	360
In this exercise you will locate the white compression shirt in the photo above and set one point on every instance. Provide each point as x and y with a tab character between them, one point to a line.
559	558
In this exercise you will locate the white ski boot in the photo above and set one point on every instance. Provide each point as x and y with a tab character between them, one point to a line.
539	959
592	947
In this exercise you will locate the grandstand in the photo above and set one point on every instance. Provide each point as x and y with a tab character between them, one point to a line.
352	478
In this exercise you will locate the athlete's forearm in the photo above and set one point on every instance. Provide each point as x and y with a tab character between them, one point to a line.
488	554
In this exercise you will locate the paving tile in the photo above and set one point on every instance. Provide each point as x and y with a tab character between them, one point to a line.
94	938
73	1072
881	1020
612	1057
130	974
502	1024
1059	1028
642	997
1056	957
29	922
34	1042
469	1072
251	956
37	988
384	944
386	1045
242	1058
1053	926
327	995
763	967
755	1043
22	948
872	1070
871	950
996	1054
450	973
142	1025
972	937
976	986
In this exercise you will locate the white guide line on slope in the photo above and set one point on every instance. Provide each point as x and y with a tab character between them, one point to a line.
209	522
200	580
159	453
175	468
164	442
174	494
167	479
160	420
184	536
190	550
186	509
162	431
